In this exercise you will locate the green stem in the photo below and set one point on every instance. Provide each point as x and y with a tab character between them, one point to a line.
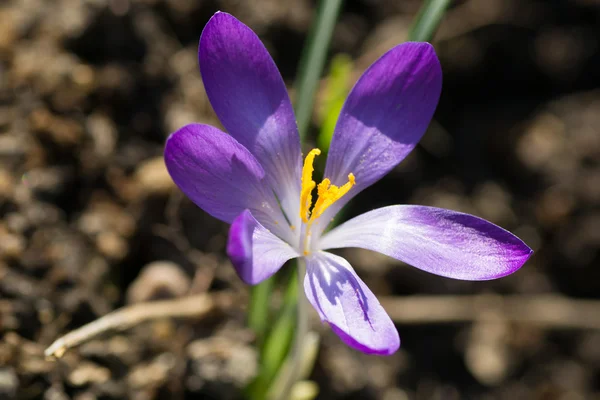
293	370
258	313
276	344
282	333
427	20
313	61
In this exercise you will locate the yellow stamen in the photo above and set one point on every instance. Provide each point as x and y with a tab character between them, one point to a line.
307	184
327	193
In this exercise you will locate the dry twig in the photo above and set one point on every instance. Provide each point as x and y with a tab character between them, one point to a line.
193	306
550	311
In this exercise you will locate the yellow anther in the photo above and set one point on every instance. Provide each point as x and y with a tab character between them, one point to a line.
307	184
327	193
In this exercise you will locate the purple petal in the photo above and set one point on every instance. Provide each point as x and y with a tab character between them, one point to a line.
384	117
254	251
443	242
249	97
343	300
221	176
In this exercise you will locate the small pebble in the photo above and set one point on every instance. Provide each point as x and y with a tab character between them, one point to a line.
87	372
158	279
153	177
9	383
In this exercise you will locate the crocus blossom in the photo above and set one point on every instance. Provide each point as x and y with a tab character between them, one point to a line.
254	178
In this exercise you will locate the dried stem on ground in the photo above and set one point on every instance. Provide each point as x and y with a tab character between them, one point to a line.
192	306
545	310
548	311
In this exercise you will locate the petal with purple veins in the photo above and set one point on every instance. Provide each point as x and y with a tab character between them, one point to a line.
343	300
255	252
221	176
249	96
439	241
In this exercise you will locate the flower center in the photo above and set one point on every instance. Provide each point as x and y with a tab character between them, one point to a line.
327	194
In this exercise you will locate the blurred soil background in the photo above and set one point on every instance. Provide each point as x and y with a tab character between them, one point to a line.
90	220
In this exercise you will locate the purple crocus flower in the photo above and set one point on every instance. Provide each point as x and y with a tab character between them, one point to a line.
254	179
